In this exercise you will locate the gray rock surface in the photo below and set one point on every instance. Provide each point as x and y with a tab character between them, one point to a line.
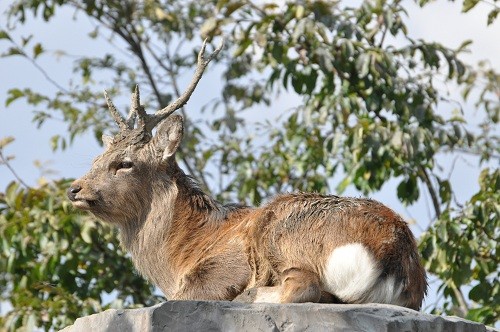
229	316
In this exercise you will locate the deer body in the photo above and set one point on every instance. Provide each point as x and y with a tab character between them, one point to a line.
297	248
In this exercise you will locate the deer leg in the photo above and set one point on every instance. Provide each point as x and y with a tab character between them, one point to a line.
299	286
260	295
209	280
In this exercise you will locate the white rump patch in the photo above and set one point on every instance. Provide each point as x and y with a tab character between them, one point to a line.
352	274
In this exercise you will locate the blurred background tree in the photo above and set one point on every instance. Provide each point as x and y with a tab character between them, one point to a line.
373	109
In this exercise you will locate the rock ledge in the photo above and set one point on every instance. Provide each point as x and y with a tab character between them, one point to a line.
230	316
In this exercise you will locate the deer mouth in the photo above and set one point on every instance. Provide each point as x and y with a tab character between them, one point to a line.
84	204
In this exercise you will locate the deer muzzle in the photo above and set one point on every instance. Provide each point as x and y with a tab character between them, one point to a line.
78	199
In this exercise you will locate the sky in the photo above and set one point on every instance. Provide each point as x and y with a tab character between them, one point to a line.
441	21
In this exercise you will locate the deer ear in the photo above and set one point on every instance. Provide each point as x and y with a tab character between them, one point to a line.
169	135
107	140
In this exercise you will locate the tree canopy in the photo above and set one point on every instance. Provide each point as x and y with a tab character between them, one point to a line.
373	109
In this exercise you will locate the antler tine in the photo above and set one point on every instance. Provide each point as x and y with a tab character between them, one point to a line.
131	119
142	116
132	113
183	99
114	112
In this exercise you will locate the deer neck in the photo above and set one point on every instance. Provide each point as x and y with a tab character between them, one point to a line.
144	235
178	213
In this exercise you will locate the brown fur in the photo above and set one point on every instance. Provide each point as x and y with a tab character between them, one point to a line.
193	247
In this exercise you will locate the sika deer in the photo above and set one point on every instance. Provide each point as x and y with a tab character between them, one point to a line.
301	247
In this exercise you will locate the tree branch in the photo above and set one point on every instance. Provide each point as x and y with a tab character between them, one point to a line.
11	169
40	68
136	45
422	173
462	304
170	72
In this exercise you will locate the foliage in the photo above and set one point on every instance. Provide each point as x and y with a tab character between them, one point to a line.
373	110
370	105
462	249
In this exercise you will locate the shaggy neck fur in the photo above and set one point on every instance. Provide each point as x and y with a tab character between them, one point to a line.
173	214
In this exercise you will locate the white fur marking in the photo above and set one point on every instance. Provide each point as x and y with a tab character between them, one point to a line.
267	295
352	274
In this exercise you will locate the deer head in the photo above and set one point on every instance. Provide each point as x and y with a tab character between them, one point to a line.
120	183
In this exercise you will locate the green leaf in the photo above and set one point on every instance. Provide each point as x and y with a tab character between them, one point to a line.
86	233
31	322
480	314
242	47
464	45
208	26
310	81
26	40
12	51
11	194
469	4
492	16
24	282
4	35
231	8
363	64
54	142
6	141
299	12
14	94
37	50
10	262
445	191
297	83
342	186
277	52
221	4
408	191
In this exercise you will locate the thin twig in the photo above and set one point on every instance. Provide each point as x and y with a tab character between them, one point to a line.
137	49
40	69
381	43
170	71
11	169
490	3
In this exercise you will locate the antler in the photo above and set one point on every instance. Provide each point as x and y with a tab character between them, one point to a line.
183	99
146	122
124	124
135	105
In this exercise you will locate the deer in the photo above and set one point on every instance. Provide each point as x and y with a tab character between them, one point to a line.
296	248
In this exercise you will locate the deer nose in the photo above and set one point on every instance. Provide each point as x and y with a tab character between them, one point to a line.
75	189
72	191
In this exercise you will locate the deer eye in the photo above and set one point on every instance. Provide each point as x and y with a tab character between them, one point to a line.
124	165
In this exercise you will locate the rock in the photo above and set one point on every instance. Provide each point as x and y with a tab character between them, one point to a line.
231	316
